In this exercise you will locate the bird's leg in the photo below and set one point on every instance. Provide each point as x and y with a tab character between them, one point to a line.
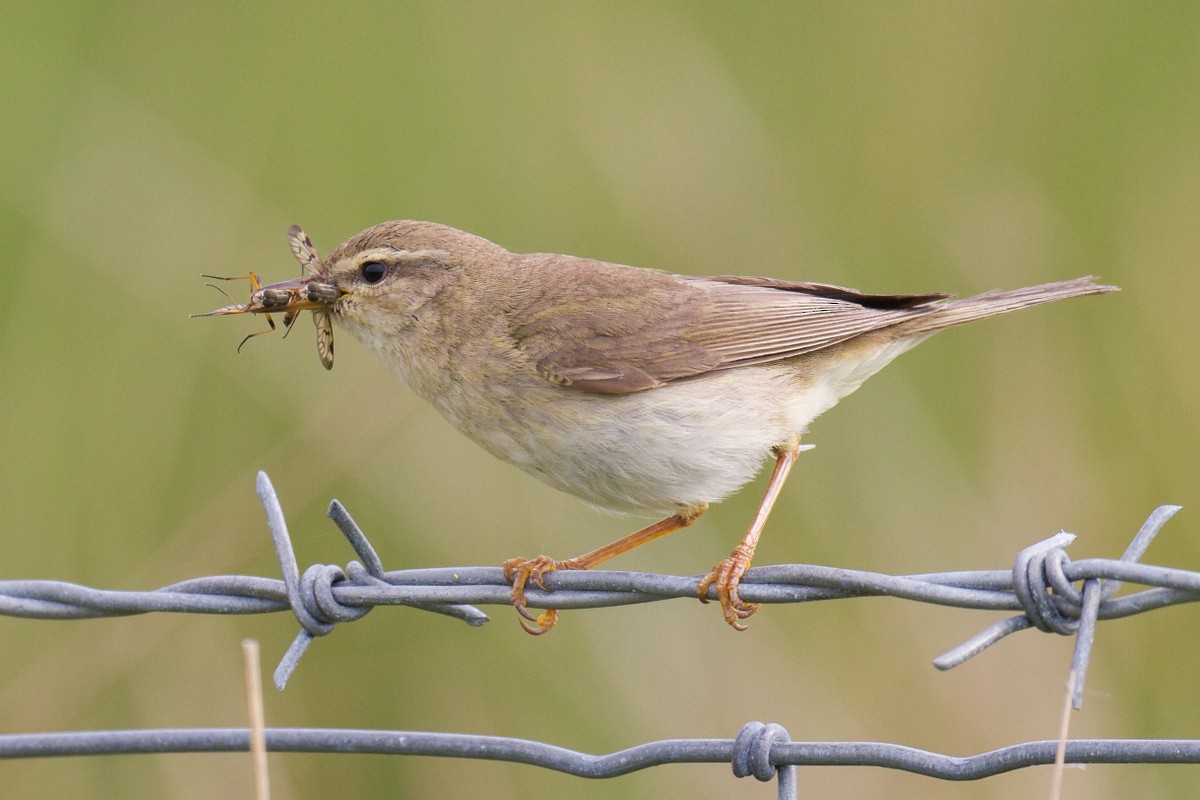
520	571
727	574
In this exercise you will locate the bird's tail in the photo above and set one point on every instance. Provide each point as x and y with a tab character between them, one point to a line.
990	304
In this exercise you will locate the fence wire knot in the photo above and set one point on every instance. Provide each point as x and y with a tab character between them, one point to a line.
752	749
752	755
316	607
1050	601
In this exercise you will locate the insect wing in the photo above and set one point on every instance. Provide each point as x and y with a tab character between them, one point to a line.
324	338
304	251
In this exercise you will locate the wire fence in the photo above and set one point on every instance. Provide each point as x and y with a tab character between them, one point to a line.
1044	587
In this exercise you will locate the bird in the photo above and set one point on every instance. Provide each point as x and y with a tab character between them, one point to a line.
637	390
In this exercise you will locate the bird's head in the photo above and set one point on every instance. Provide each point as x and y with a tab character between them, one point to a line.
373	284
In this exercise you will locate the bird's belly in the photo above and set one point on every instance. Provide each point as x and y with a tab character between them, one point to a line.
656	451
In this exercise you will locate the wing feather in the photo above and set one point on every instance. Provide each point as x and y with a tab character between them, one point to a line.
638	331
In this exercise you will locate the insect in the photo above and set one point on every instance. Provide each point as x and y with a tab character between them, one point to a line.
309	292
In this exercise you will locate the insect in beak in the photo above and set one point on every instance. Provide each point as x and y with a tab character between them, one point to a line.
310	292
290	297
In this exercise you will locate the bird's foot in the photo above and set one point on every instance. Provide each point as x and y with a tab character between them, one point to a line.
520	572
726	576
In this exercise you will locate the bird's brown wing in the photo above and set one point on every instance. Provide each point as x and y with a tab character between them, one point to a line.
645	333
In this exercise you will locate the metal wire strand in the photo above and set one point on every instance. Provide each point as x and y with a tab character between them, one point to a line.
1041	587
1050	592
759	749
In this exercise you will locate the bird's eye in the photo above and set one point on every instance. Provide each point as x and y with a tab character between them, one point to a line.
373	271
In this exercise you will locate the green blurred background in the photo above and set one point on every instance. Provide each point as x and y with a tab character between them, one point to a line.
908	148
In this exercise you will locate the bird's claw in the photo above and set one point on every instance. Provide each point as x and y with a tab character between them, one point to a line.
520	572
542	623
726	576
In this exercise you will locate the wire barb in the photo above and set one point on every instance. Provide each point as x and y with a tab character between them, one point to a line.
311	595
1051	603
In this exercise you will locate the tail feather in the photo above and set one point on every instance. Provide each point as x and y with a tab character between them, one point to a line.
990	304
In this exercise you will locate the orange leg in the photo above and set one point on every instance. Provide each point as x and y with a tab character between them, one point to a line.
727	574
520	571
255	285
270	322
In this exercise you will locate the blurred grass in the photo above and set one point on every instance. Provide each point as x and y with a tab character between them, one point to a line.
933	146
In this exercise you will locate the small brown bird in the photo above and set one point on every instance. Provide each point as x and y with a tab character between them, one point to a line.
635	390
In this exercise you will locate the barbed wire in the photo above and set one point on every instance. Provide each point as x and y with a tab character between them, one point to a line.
1040	587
